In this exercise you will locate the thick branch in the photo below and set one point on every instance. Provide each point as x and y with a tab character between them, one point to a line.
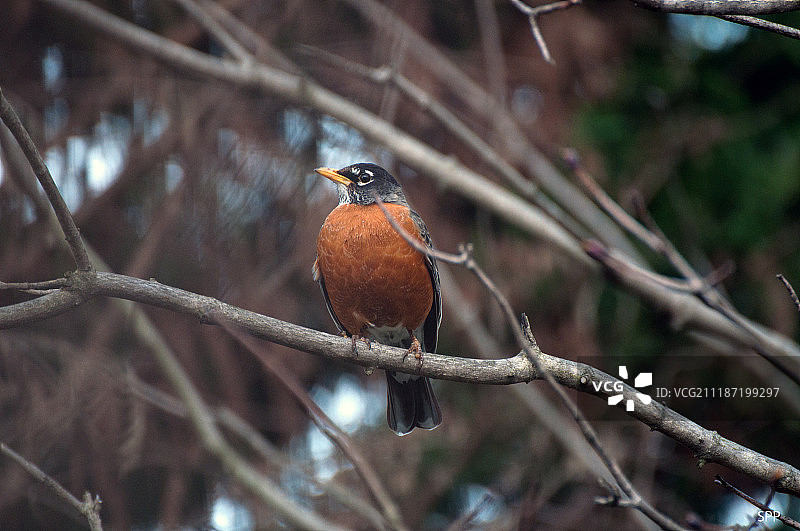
707	445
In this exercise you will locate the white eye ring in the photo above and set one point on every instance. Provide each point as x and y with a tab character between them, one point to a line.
364	179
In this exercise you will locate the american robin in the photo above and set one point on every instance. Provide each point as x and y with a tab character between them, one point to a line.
377	286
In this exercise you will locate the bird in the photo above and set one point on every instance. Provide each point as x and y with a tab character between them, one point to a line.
378	287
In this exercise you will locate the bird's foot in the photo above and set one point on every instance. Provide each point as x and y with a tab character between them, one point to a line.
360	338
416	350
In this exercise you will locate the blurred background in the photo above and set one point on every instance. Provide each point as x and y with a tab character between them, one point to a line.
209	187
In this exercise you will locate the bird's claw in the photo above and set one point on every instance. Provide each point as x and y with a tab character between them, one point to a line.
416	350
360	338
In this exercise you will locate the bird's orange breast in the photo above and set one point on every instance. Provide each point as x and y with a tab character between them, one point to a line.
372	275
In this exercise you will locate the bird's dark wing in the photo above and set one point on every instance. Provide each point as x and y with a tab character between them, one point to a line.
319	278
430	329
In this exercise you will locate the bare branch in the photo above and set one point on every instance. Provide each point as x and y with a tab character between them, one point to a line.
617	213
749	499
791	291
717	7
326	425
447	170
214	441
534	13
256	441
513	139
736	11
28	286
766	25
634	499
79	287
707	445
654	238
71	232
89	507
629	274
526	341
493	57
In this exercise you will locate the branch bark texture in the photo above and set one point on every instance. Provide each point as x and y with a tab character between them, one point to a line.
707	445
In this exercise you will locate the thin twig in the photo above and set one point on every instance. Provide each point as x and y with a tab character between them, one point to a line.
256	441
715	7
628	273
791	291
429	104
43	285
616	212
466	520
648	233
760	514
89	507
325	424
514	141
205	425
654	238
534	13
526	341
253	42
702	286
71	232
749	499
766	25
615	264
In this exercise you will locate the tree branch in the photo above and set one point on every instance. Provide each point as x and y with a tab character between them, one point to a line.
513	140
707	445
200	414
749	499
89	507
736	11
216	30
80	287
534	13
336	435
234	424
766	25
654	238
71	232
790	289
720	7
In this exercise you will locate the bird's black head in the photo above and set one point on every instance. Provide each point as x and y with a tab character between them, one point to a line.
360	183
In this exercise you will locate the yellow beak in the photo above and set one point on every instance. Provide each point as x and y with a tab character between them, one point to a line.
334	176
